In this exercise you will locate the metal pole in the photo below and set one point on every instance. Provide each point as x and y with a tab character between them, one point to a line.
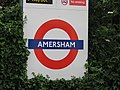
21	3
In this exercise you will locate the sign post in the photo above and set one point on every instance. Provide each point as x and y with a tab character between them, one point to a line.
57	33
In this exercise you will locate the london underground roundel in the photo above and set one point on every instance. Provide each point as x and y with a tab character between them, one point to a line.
38	44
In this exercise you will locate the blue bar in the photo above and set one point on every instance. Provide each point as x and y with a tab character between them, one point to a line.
55	44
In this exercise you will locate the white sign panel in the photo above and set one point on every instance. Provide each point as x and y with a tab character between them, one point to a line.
57	33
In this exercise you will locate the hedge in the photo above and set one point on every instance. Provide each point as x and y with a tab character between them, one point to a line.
104	51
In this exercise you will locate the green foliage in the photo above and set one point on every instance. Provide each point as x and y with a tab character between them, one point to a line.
104	51
5	3
13	53
104	45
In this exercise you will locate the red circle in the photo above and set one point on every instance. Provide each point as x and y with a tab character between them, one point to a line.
64	2
44	28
